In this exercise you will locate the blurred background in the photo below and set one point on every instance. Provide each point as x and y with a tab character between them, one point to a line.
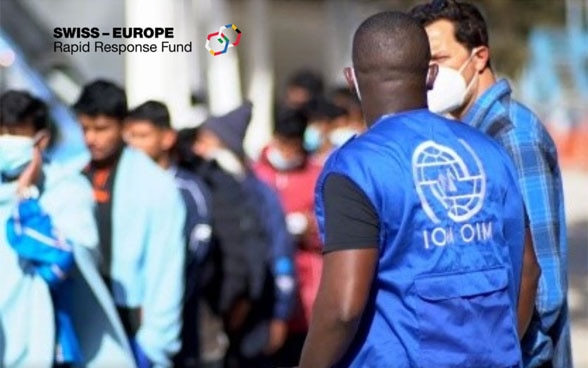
541	46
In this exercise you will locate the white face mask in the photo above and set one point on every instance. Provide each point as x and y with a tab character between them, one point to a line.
15	154
228	161
281	163
449	90
340	136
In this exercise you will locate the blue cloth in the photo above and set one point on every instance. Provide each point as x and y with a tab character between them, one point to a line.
69	350
451	244
141	359
147	271
31	234
523	136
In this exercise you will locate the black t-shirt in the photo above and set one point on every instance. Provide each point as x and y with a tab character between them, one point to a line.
102	180
351	221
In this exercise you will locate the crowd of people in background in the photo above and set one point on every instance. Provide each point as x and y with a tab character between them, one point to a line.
175	248
202	256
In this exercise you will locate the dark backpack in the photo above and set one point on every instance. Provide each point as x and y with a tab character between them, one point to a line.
236	266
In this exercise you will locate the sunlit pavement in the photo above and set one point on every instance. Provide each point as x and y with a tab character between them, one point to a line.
576	196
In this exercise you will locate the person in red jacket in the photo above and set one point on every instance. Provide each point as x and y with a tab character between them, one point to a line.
286	167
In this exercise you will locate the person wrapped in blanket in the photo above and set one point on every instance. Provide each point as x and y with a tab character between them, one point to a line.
46	213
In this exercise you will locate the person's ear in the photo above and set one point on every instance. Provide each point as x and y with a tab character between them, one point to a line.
349	78
432	75
168	139
481	58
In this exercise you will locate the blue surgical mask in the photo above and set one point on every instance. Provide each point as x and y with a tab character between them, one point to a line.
16	152
279	162
312	139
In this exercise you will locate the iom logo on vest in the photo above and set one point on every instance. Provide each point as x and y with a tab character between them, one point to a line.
449	188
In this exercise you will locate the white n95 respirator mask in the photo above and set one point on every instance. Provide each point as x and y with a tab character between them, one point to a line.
450	89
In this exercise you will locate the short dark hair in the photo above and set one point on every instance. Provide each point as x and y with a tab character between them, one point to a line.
291	123
184	155
308	80
102	97
470	27
322	108
391	42
20	107
153	111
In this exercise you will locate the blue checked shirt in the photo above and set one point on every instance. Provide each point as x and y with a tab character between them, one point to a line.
535	156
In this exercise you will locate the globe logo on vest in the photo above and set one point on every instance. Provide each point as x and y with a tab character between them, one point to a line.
445	184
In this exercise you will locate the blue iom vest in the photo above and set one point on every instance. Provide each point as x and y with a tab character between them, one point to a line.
450	244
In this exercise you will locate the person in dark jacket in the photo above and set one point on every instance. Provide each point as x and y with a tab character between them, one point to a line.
148	128
257	293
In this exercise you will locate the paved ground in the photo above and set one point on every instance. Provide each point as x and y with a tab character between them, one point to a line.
576	195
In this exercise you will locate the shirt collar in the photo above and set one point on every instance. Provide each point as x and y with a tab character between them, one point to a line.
488	109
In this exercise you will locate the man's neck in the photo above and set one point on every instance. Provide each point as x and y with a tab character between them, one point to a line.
392	98
108	162
164	162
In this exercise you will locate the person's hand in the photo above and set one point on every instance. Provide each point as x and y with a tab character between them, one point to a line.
237	315
31	173
278	331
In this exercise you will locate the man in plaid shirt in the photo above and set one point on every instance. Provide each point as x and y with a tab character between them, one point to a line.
466	88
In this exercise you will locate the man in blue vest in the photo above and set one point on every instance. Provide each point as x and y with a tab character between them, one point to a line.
425	259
